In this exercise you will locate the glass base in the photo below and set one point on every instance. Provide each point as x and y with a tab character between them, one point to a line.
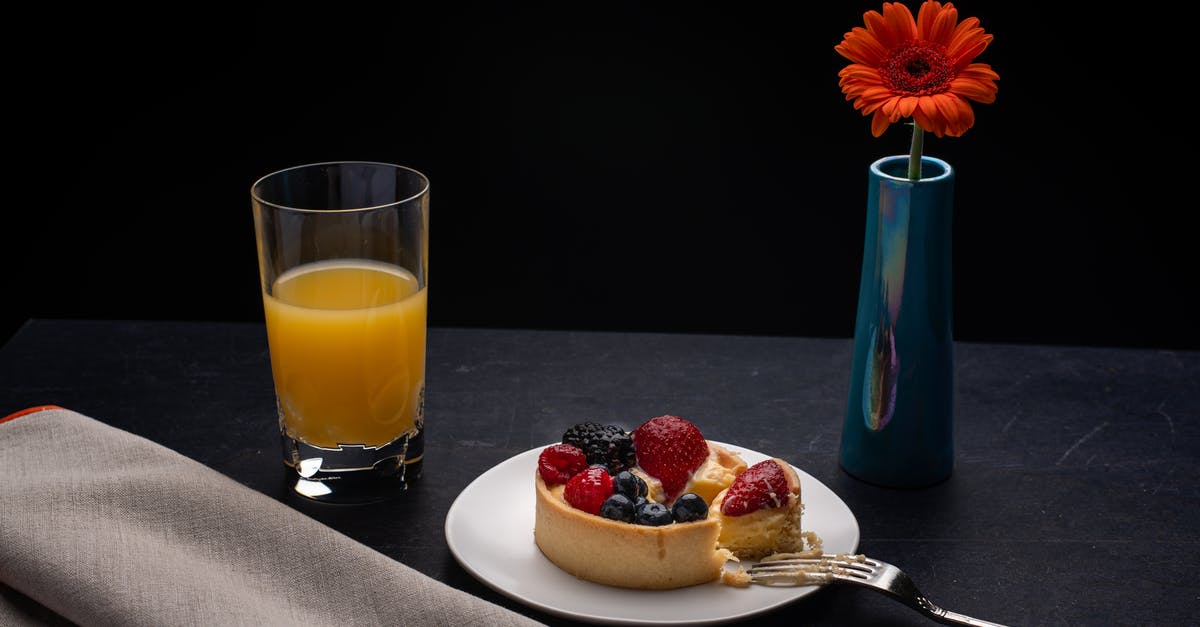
353	473
897	480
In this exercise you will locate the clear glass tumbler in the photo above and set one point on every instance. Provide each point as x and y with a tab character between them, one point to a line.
343	256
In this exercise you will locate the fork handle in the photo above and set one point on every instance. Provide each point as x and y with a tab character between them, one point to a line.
954	618
915	599
903	589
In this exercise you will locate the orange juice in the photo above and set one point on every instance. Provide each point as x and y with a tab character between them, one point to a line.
347	344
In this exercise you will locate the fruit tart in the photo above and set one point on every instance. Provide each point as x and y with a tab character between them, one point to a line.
638	509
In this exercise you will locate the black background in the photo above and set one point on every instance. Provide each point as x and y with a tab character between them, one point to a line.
663	166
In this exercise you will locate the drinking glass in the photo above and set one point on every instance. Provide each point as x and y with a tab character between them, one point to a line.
343	257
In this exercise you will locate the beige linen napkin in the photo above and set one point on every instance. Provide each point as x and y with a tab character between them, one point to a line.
113	529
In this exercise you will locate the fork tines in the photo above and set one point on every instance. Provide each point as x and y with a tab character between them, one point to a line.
804	569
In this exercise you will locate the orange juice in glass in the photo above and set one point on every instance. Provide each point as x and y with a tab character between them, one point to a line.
347	345
342	257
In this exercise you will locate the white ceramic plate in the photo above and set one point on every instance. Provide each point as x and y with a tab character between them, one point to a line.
490	532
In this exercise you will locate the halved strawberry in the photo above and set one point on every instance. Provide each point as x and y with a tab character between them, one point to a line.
557	463
767	484
588	490
670	449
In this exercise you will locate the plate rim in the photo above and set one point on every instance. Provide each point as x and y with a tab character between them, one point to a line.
452	515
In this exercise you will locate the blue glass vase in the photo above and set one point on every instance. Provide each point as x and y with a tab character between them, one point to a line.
899	422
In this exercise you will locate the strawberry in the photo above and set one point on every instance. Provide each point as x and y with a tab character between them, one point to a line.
767	484
559	462
588	490
670	448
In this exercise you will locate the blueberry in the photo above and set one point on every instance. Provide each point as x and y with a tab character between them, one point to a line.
601	466
640	501
617	507
653	514
689	507
629	484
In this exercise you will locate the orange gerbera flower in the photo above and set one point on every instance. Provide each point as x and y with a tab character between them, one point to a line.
920	69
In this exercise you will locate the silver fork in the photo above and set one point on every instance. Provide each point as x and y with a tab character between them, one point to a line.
861	570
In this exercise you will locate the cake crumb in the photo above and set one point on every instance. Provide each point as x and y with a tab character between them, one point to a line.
737	578
800	575
812	541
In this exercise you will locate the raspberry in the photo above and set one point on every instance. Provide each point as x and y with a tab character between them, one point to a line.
588	490
557	463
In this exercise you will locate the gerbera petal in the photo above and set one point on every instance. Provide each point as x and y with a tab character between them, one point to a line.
940	25
879	123
978	91
876	93
968	51
967	24
967	41
926	106
947	109
932	121
860	81
860	46
872	100
955	111
966	117
965	31
922	119
926	115
892	107
893	27
878	28
860	73
886	103
900	20
863	90
853	92
979	72
925	15
866	104
906	106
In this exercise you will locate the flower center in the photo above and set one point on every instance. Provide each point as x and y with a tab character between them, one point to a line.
918	69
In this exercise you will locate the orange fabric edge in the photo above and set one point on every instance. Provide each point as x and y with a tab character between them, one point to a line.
27	411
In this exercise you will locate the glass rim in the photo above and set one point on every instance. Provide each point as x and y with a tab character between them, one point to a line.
877	168
419	193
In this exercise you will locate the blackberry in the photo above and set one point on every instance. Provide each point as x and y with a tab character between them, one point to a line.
653	514
603	467
689	507
617	507
629	484
580	434
603	444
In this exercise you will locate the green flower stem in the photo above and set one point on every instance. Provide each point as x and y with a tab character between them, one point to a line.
914	155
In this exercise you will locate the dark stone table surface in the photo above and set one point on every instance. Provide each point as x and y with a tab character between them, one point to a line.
1073	500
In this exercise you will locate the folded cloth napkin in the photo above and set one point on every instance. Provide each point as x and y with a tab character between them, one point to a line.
114	529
